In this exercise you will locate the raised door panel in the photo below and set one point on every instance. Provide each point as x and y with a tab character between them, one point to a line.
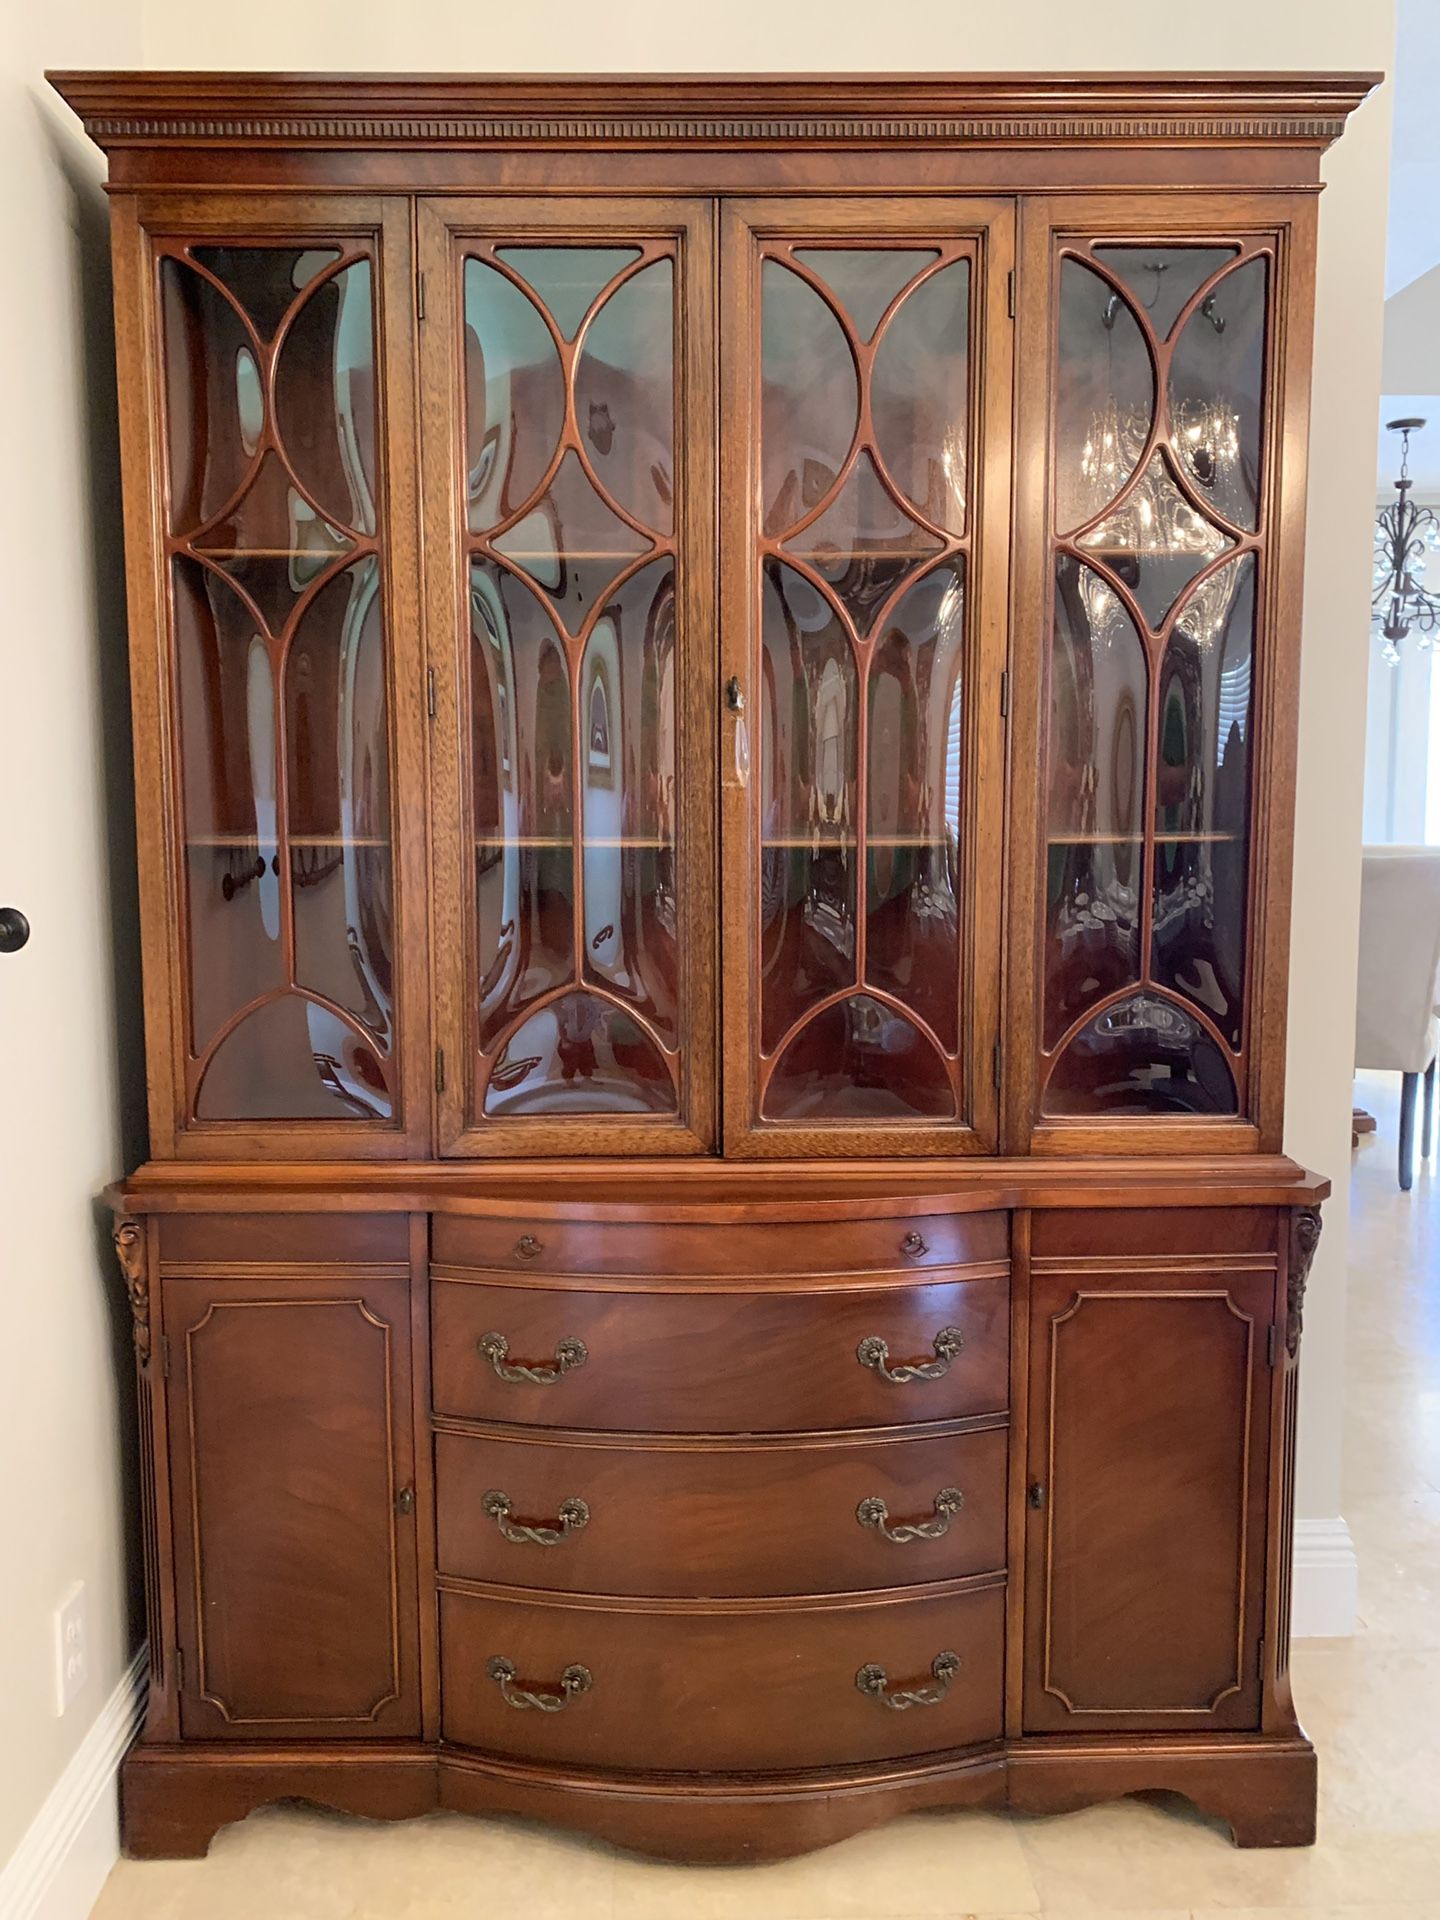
1158	468
292	1463
279	763
1147	1472
569	510
864	536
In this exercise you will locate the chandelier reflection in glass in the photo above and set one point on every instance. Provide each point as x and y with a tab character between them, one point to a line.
1155	517
1404	536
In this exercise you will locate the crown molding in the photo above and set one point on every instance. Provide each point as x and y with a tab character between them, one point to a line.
698	112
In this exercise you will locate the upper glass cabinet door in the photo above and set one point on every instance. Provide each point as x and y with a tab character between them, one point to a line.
277	558
857	756
1158	489
577	504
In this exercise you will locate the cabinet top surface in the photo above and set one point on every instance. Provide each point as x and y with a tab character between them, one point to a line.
711	109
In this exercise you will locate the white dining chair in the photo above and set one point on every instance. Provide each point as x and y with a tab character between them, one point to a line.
1396	1026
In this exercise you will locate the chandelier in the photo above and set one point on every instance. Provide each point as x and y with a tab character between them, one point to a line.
1404	535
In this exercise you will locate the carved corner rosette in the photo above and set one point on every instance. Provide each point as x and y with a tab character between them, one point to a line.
1305	1224
130	1251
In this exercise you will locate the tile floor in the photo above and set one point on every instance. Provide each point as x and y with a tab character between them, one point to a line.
1372	1704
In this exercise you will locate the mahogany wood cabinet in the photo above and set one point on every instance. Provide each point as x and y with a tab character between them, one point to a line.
714	670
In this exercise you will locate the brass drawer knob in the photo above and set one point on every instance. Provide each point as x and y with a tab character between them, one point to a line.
873	1352
569	1354
571	1516
874	1513
875	1682
574	1681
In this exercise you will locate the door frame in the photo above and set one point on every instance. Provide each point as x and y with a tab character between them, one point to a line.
990	223
444	225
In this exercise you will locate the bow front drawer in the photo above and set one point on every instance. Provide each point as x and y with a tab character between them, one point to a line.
705	1357
769	1516
709	1687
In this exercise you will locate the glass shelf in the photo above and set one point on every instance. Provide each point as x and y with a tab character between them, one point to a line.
1160	836
498	842
249	840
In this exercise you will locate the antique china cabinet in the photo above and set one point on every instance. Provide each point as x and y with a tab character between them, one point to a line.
714	673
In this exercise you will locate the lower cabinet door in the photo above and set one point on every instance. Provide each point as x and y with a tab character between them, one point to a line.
292	1466
1149	1400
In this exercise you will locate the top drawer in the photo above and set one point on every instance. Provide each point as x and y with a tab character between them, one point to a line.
746	1249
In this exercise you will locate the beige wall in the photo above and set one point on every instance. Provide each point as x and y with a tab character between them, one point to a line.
1052	34
62	795
58	1395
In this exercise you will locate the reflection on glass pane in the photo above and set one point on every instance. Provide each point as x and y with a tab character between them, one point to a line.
265	280
1156	542
214	413
808	763
514	396
567	279
811	398
919	395
579	1055
1217	375
1105	396
520	770
1141	1055
571	544
864	545
627	691
864	280
227	771
625	396
1097	711
913	825
859	1060
1203	798
1092	926
339	799
325	398
293	1060
273	522
1163	279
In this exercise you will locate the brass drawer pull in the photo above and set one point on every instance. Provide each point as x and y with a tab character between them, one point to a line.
573	1682
913	1245
569	1354
572	1515
873	1352
874	1681
527	1246
874	1513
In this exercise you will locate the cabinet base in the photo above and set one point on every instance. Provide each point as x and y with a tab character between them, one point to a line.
174	1799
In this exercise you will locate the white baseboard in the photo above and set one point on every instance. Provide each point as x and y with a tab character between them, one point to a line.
1327	1581
58	1869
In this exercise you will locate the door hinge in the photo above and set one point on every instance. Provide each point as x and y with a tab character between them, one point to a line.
180	1669
164	1356
995	1066
430	691
420	297
439	1069
1260	1657
1010	293
1004	693
1272	1344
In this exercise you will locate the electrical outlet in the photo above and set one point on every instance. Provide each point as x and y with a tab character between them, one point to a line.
72	1649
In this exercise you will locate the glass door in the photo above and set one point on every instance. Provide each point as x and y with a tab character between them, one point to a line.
569	481
864	536
287	534
1158	480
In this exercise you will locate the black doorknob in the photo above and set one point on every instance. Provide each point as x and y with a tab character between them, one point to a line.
14	929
